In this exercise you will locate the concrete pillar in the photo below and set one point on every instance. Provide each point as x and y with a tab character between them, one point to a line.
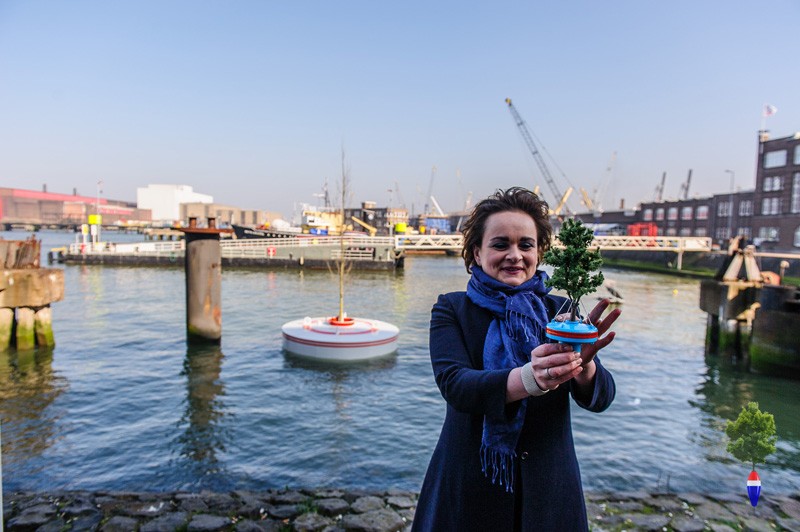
43	327
25	336
6	327
203	267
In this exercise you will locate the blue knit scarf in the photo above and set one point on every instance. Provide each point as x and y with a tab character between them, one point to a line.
520	318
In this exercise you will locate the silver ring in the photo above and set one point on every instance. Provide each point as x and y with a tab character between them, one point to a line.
548	373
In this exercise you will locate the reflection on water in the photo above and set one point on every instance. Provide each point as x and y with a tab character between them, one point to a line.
729	386
28	388
203	436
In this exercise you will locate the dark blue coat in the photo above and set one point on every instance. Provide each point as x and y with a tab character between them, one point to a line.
456	495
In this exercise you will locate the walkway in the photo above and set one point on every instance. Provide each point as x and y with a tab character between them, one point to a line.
367	511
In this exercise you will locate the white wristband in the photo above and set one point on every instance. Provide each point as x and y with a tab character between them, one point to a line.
529	381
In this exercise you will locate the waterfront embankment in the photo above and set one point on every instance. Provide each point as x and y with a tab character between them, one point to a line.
368	511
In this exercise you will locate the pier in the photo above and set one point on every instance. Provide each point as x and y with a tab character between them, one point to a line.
752	316
306	251
26	292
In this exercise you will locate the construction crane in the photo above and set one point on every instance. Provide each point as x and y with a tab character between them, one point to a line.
685	186
526	135
587	201
430	192
660	189
402	202
372	230
562	203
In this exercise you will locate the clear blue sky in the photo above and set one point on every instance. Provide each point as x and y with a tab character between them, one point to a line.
253	101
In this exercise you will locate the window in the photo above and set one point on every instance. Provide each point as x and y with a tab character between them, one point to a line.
686	231
797	237
746	208
770	206
672	231
772	183
702	212
672	213
722	233
724	209
744	231
774	159
797	154
768	233
700	231
648	215
796	191
686	213
660	213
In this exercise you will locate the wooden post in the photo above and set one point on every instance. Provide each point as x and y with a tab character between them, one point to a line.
25	336
203	267
6	326
43	327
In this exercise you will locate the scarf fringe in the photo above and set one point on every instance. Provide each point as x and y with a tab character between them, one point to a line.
501	464
516	322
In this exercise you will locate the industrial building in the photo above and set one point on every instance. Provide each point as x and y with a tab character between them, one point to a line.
20	207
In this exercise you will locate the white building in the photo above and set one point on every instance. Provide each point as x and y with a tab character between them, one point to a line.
165	200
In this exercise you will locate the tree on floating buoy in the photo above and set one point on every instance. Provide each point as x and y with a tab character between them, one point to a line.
752	439
574	263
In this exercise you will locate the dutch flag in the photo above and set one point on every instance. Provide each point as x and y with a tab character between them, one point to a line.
753	487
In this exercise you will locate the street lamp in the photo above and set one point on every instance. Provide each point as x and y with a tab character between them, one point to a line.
730	213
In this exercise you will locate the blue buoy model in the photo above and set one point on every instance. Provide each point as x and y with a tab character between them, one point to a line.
574	333
753	487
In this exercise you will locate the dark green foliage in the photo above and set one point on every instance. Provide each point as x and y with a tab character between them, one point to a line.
574	263
752	435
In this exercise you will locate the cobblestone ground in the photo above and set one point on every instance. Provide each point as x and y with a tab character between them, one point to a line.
335	510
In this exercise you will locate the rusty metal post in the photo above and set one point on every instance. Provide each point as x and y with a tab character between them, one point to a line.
203	267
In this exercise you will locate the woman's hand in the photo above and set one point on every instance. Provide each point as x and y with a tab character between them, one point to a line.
588	351
554	364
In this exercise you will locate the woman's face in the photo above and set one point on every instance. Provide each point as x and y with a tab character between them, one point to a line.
509	251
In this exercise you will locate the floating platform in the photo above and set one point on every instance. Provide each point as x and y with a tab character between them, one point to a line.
349	340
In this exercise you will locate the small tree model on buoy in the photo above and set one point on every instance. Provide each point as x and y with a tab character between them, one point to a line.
573	267
752	439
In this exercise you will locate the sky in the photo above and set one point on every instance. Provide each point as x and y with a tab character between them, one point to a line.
260	103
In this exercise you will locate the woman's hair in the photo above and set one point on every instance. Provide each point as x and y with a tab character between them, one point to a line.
513	199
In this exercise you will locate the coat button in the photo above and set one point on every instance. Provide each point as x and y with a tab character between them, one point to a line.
524	455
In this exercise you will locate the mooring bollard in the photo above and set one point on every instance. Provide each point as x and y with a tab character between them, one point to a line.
203	267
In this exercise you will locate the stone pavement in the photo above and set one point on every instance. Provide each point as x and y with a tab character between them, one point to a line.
367	511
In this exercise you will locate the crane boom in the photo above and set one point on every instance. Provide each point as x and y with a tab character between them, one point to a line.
526	135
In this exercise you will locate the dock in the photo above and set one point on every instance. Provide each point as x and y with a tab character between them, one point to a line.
306	251
752	316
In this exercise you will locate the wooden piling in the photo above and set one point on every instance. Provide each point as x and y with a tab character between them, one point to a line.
25	337
6	327
26	291
43	327
203	268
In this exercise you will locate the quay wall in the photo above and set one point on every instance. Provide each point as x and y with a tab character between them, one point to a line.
376	511
693	261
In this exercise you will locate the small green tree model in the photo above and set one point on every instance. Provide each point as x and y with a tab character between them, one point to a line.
752	435
573	265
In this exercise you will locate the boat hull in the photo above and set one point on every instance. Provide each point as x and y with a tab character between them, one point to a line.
323	338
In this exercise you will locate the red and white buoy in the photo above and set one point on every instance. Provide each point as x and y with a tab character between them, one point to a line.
332	339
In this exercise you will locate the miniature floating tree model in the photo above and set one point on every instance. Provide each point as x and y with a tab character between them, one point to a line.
574	265
752	439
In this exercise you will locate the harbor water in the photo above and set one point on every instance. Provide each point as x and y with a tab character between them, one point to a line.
122	403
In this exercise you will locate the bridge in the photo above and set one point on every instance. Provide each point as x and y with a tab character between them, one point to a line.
676	244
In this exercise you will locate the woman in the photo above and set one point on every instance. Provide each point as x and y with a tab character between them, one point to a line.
505	458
